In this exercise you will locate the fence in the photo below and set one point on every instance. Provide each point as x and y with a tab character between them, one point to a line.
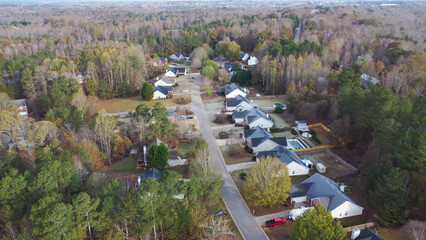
360	226
329	153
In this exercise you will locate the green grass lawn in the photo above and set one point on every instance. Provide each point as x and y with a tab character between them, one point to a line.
183	148
130	104
279	121
241	155
127	165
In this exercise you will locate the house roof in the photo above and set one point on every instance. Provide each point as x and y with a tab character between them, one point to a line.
168	80
282	141
242	54
164	89
253	114
20	102
233	102
368	78
368	234
229	88
239	114
162	59
256	132
152	172
228	65
322	188
298	122
286	156
173	154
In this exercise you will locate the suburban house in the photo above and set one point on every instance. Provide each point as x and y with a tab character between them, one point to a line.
165	81
266	143
368	81
80	79
175	72
181	56
256	132
365	234
320	190
244	56
22	106
228	66
252	60
294	163
239	104
302	126
162	92
232	90
162	61
253	118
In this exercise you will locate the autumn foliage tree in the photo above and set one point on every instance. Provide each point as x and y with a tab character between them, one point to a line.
268	183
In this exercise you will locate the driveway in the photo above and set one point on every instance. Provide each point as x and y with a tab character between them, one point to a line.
262	219
239	166
235	203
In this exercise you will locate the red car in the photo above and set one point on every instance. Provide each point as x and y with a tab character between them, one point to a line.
239	125
275	221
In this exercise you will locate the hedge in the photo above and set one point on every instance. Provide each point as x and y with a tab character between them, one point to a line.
293	131
248	149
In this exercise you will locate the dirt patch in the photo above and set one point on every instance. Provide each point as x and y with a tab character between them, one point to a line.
235	153
279	232
205	97
333	167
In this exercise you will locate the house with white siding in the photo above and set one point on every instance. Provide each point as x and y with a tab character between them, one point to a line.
239	104
165	81
320	190
294	164
232	90
162	92
252	60
253	118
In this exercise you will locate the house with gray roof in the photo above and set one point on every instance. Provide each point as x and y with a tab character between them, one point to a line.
179	56
165	81
244	56
253	118
320	190
256	132
365	234
266	143
152	172
162	92
294	164
232	90
239	104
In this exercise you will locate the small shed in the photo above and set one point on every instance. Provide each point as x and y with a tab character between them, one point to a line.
320	168
308	163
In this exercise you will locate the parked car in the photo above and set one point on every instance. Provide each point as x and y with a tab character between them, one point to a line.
298	212
239	125
274	222
181	117
221	212
190	117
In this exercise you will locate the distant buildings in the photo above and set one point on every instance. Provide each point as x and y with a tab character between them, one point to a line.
181	56
22	107
368	81
175	72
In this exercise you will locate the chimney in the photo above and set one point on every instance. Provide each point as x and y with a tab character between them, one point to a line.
342	187
355	233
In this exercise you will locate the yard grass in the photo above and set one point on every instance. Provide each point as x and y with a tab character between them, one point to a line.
279	232
183	148
235	153
279	121
298	179
130	104
125	166
183	170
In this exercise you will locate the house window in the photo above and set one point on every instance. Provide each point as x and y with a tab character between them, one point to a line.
346	214
340	214
293	172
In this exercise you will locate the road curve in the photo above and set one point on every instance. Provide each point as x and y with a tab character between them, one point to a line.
245	221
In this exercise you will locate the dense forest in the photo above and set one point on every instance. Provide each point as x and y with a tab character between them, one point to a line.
49	187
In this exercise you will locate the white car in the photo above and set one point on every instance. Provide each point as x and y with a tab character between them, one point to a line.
298	212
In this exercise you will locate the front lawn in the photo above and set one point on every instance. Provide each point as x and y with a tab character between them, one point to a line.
130	104
183	148
235	153
279	121
125	166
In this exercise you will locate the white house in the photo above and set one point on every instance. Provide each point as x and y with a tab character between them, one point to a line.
244	56
320	190
175	72
368	81
166	81
232	90
294	164
180	56
255	117
266	143
22	106
252	60
302	126
239	104
161	92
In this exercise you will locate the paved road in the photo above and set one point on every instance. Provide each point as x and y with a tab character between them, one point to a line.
235	203
239	166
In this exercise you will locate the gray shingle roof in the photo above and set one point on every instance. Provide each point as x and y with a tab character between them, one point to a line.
233	102
319	186
152	172
254	114
164	89
368	234
286	156
239	114
256	132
